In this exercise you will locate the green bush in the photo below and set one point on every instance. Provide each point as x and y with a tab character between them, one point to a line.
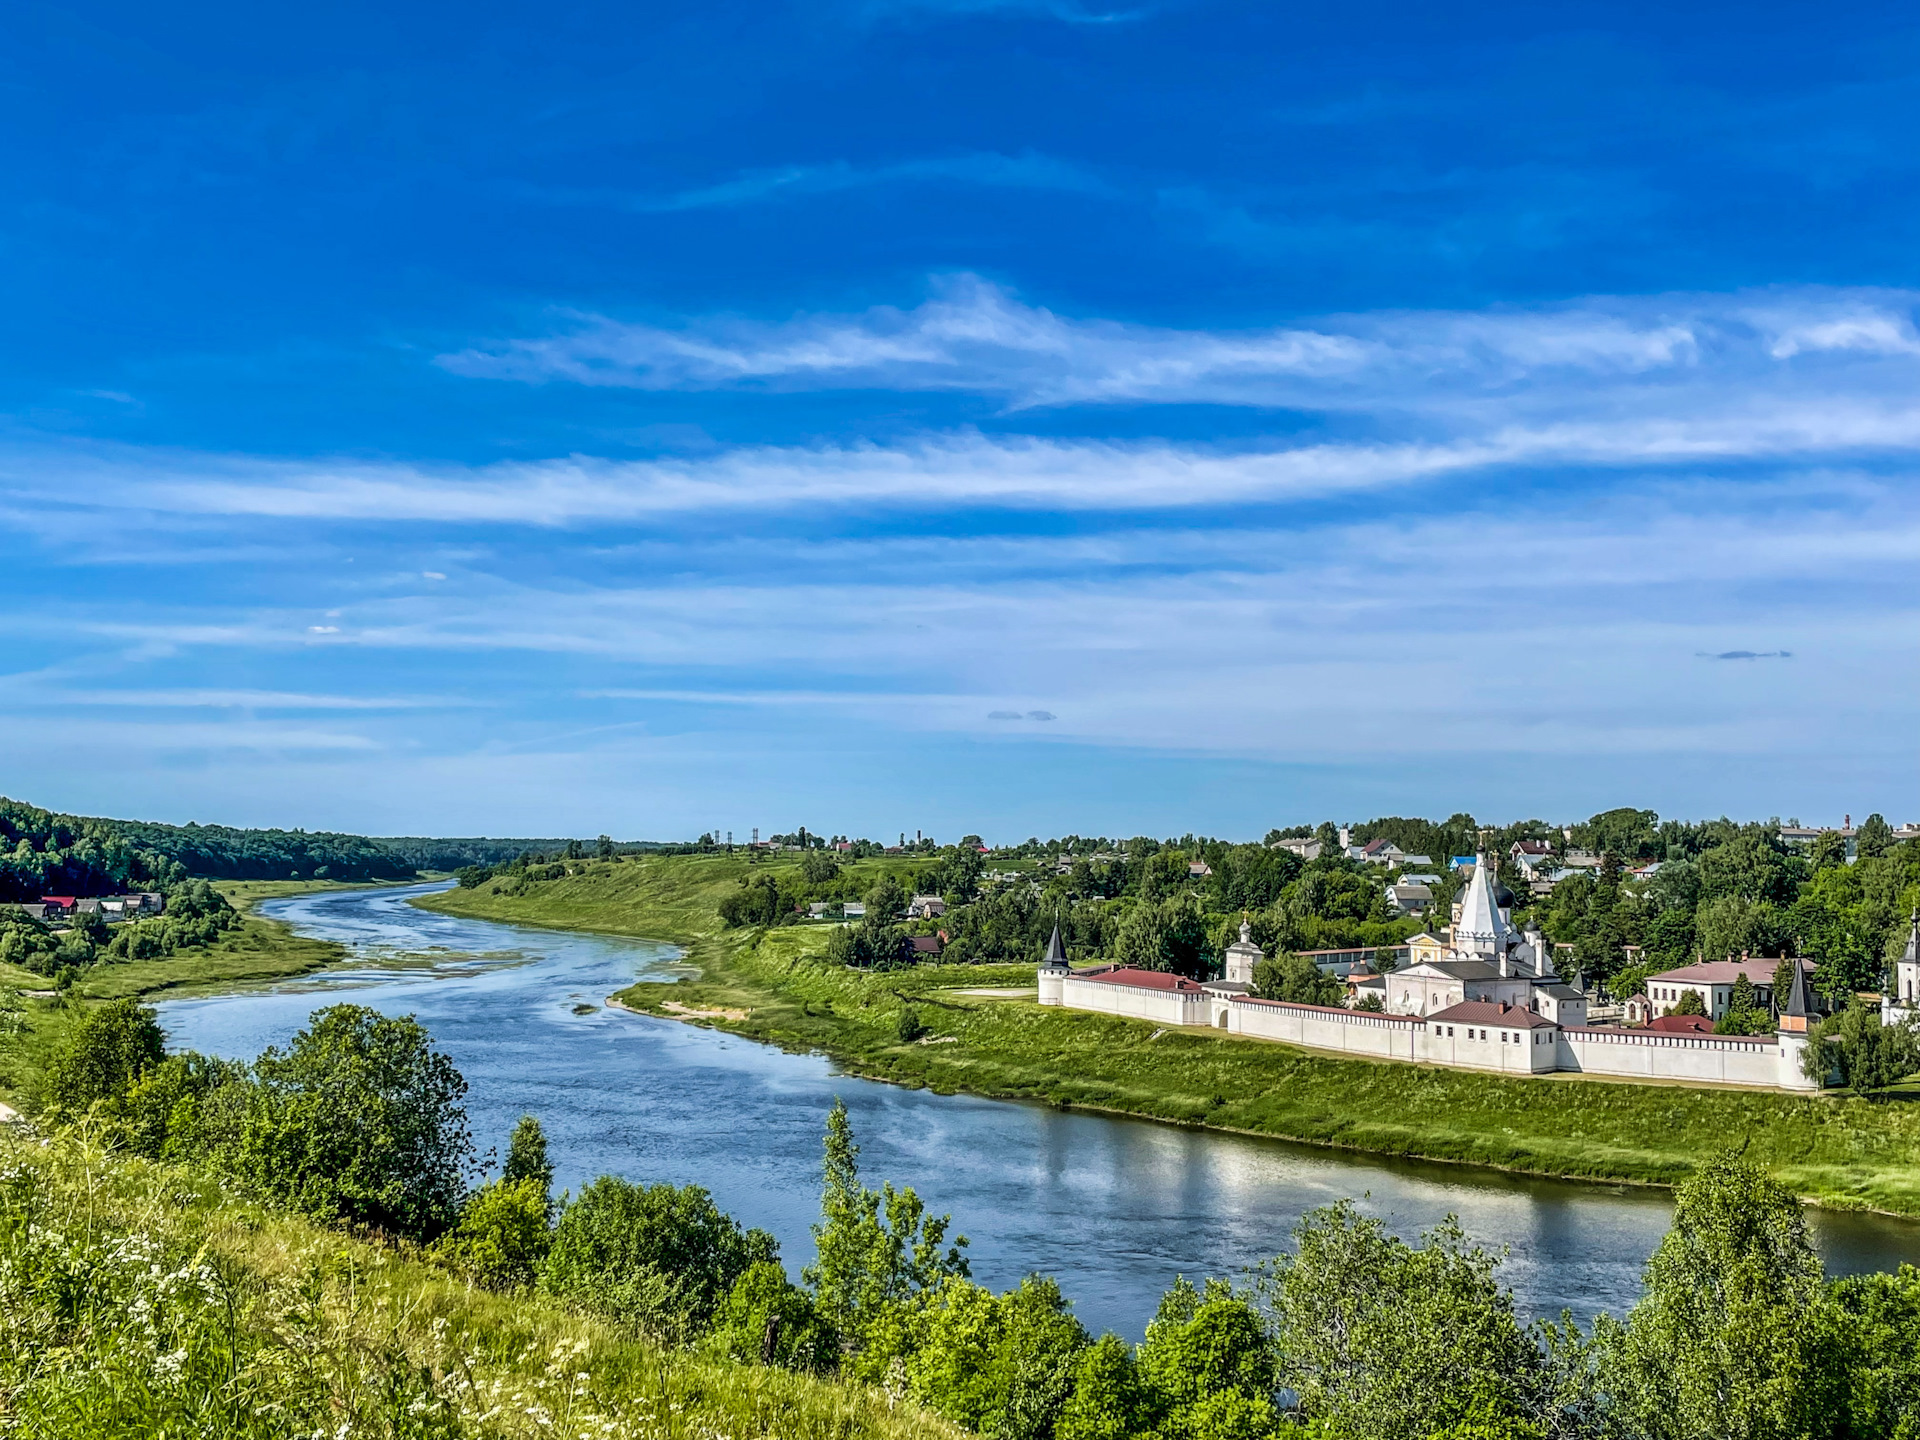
656	1258
501	1237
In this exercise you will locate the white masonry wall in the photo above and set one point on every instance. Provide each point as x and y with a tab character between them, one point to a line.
1489	1047
1164	1007
1353	1032
1649	1055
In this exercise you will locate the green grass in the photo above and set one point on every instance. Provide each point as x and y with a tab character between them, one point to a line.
1836	1150
147	1300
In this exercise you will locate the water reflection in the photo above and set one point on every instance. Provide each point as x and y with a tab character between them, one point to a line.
1114	1208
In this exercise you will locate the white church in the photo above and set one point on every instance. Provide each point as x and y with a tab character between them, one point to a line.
1490	1001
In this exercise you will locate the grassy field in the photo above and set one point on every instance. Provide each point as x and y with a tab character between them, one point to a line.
1836	1150
150	1300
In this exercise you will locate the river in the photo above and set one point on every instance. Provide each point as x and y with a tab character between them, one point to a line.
1114	1208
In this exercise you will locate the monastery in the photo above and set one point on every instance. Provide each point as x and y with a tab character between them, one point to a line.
1488	1000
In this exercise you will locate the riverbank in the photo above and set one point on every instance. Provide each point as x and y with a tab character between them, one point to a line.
1835	1150
259	951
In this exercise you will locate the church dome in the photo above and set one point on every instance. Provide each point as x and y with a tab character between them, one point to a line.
1502	896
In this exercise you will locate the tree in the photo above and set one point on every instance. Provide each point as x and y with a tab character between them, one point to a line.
819	867
603	848
875	1250
1868	1054
1732	1336
1108	1400
1208	1365
1874	837
110	1049
360	1119
911	1027
1170	934
658	1258
527	1159
768	1320
1382	1339
1000	1365
1689	1003
886	899
1295	977
501	1236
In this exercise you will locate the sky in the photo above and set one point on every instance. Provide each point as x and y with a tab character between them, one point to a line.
996	416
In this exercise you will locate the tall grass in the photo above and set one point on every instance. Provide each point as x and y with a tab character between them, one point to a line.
141	1300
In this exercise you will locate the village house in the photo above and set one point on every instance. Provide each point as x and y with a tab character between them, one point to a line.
1305	846
926	907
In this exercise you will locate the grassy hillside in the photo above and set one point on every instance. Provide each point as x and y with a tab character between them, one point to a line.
1837	1150
148	1300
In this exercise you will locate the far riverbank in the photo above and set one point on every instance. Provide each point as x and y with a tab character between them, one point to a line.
1837	1151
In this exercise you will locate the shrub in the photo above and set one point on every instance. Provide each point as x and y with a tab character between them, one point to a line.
502	1235
360	1119
111	1048
658	1259
768	1320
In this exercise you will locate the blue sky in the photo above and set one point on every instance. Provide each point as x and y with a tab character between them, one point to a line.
960	416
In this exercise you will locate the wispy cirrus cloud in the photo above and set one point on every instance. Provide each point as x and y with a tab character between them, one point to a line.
1026	171
974	337
951	471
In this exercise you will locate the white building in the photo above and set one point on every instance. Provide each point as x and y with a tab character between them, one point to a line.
926	907
1713	982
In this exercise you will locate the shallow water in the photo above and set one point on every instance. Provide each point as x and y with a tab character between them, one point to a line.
1114	1208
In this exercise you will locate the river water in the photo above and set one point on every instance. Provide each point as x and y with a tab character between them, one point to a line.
1114	1208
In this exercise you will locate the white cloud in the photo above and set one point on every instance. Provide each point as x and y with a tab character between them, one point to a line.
972	336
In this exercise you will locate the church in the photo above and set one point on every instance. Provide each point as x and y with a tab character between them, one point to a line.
1487	961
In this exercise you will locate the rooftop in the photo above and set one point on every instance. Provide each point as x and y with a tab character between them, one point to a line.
1143	980
1485	1012
1757	968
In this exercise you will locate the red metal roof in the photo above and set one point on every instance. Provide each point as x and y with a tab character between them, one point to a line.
1682	1025
1144	980
1486	1012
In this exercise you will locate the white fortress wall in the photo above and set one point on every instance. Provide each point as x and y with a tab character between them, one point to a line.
1724	1060
1354	1032
1164	1007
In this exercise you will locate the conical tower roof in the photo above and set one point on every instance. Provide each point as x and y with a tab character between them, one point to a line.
1482	929
1056	952
1912	955
1796	1006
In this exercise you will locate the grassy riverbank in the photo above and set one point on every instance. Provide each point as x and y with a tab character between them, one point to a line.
1837	1150
259	951
147	1299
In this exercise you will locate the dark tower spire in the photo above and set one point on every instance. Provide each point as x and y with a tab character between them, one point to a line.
1056	952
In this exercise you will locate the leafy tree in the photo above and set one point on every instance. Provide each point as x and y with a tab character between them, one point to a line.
768	1320
1689	1003
110	1049
1000	1365
1208	1365
1882	1315
886	899
360	1119
1732	1336
1382	1340
1166	935
1874	837
877	1251
1868	1054
819	867
527	1159
658	1258
911	1027
1109	1401
501	1236
1294	977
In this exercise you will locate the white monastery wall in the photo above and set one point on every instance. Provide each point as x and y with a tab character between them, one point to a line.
1353	1032
1646	1055
1163	1007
